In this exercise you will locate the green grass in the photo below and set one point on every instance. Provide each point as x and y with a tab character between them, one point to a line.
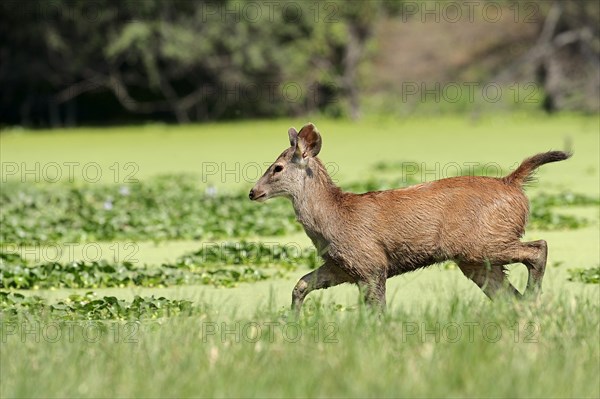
456	347
157	341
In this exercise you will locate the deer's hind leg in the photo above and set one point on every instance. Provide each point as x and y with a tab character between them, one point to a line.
534	255
490	278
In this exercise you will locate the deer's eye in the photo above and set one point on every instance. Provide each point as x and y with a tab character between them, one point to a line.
277	168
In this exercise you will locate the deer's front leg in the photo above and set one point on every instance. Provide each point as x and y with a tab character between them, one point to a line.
325	276
373	292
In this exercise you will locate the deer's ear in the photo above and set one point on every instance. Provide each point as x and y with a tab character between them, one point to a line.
309	141
293	134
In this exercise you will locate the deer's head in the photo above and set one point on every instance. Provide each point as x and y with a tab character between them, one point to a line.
286	176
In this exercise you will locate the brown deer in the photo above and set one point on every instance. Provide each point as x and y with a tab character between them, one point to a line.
367	238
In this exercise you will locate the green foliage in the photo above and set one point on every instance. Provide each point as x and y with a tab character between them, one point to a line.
256	254
103	274
544	216
221	265
163	208
90	307
587	276
546	219
565	198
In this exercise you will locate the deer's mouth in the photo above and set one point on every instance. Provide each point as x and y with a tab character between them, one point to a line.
261	198
254	196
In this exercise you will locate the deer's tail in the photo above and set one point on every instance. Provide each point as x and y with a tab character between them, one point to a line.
524	173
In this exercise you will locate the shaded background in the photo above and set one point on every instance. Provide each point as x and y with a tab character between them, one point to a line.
68	63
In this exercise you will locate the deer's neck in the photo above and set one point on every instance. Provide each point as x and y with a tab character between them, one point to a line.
317	205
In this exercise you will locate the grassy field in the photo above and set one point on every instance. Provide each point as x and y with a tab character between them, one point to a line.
222	332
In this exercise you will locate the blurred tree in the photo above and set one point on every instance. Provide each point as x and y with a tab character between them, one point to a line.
65	62
565	59
182	60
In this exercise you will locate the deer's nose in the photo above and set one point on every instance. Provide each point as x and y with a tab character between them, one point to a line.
251	195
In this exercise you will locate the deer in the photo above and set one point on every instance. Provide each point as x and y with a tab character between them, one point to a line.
476	222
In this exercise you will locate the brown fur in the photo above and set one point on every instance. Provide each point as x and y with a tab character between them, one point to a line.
476	222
